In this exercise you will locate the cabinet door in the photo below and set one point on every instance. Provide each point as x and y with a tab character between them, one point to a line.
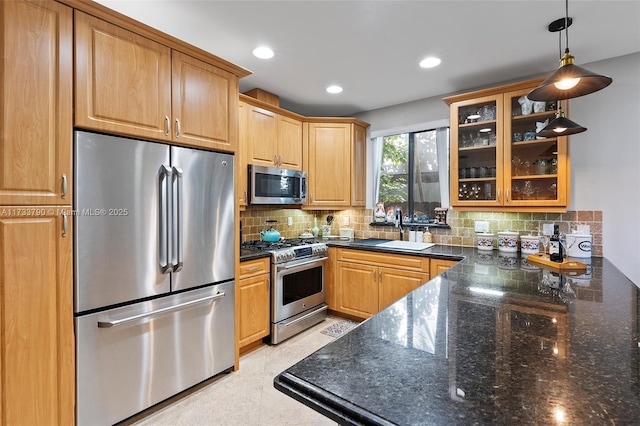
242	185
205	104
36	95
253	308
290	142
37	385
438	266
536	168
356	289
329	159
262	136
123	81
359	172
477	152
396	283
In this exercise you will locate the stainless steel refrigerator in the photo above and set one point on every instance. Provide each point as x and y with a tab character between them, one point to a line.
154	272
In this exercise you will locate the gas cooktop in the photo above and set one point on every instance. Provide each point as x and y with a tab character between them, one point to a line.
283	243
288	249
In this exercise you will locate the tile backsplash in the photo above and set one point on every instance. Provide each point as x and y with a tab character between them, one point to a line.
462	224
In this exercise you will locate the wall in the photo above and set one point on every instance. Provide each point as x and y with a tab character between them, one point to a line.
605	160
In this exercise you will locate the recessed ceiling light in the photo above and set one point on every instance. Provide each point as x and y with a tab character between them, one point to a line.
263	52
430	62
334	89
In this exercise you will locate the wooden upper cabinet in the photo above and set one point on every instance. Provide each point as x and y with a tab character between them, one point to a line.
262	136
498	162
329	165
335	161
273	139
242	175
290	142
123	80
359	172
131	85
205	104
37	385
36	93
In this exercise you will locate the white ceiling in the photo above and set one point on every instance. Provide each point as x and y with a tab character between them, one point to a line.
372	48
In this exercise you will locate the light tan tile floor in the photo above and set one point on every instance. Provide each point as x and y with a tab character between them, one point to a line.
247	397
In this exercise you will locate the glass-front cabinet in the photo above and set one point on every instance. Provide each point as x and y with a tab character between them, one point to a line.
497	161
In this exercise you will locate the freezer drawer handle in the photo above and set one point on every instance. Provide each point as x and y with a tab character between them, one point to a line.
109	324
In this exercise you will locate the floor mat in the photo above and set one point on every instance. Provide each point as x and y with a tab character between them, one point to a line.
337	329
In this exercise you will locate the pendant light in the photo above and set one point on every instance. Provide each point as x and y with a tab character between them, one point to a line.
569	81
560	126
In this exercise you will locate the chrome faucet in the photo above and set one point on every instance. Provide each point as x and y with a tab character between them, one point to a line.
398	223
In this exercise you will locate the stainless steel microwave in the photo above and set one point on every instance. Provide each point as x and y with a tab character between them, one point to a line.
274	185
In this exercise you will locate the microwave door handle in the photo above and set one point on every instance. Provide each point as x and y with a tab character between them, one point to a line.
178	219
300	185
113	323
163	219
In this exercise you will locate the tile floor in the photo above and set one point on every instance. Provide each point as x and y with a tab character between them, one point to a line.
247	397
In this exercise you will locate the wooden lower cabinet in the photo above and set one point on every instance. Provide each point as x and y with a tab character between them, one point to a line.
357	289
37	385
253	296
438	266
361	287
396	283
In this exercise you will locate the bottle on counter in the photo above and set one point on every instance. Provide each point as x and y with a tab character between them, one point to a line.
427	237
315	229
556	253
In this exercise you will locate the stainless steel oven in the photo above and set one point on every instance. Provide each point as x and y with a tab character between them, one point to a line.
298	292
299	297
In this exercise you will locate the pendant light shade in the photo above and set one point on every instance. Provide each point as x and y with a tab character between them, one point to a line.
561	126
569	81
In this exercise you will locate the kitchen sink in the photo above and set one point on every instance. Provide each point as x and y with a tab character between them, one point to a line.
406	245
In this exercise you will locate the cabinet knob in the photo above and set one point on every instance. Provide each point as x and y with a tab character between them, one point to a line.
167	125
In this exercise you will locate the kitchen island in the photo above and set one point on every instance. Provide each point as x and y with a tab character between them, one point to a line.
493	340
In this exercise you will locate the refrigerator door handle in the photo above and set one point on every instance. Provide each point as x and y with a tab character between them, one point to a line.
164	187
109	324
178	219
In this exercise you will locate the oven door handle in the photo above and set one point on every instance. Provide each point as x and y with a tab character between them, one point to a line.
109	324
304	317
303	263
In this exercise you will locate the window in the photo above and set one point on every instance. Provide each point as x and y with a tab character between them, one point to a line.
413	172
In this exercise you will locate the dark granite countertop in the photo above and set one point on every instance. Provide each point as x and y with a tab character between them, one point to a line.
247	254
489	341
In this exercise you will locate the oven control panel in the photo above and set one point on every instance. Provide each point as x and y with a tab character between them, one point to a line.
285	255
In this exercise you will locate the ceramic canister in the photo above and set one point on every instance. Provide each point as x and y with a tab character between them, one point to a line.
578	245
485	241
529	244
508	241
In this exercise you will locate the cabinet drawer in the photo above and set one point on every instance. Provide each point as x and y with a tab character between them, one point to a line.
398	261
251	268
